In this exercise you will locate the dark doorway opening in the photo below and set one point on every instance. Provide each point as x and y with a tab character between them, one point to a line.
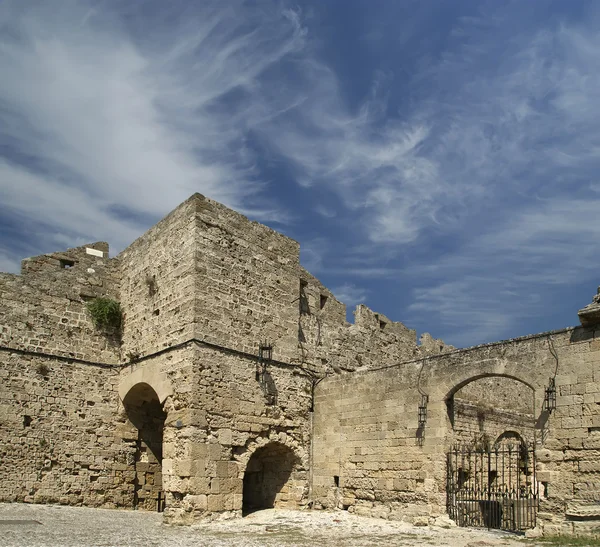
269	479
146	413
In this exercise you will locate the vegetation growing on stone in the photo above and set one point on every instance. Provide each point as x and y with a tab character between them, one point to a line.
105	312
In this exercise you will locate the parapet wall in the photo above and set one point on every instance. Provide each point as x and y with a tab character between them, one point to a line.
44	308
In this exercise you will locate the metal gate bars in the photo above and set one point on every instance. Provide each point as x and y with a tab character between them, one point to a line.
493	486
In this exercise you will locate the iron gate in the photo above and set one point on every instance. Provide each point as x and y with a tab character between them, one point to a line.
493	487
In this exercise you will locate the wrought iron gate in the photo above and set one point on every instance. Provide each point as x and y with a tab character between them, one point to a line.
493	487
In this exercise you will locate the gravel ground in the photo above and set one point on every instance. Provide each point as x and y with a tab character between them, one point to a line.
23	525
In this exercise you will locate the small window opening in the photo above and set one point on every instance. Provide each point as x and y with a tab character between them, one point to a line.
66	264
492	478
323	301
382	324
303	298
156	312
27	421
336	480
545	486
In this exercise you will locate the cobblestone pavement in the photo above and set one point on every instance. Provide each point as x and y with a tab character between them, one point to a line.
23	525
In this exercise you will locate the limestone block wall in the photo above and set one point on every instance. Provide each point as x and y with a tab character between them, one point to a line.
325	337
44	309
246	283
371	457
157	291
367	456
57	405
569	458
218	413
58	435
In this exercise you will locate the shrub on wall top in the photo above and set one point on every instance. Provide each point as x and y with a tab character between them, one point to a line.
105	312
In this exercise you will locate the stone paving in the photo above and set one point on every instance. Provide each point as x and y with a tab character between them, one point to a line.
23	525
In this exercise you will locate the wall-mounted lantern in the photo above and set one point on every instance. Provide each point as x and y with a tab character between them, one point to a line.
550	396
265	354
265	351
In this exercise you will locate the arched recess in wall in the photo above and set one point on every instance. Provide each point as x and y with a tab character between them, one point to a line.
146	414
272	478
509	437
483	409
149	374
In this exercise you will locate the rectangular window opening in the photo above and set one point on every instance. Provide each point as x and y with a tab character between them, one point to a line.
336	480
303	298
545	487
323	301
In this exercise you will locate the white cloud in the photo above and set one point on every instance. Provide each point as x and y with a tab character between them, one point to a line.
510	275
479	187
96	115
350	294
492	171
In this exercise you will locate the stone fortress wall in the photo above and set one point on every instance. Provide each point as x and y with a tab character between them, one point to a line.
183	408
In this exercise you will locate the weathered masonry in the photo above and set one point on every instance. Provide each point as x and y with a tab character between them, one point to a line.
233	382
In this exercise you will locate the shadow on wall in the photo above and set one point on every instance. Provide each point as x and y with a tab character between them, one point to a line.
267	478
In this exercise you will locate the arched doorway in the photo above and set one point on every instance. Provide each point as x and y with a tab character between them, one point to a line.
269	480
491	465
145	412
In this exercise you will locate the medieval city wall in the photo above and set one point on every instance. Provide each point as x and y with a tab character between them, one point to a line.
366	430
216	286
181	404
58	388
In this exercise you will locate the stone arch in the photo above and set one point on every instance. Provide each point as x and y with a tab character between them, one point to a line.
510	436
483	407
146	415
474	377
149	374
273	477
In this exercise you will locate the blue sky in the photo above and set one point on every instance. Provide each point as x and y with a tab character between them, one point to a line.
437	161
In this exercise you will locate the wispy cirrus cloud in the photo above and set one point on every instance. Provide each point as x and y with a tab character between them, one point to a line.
495	284
481	197
111	114
350	294
456	193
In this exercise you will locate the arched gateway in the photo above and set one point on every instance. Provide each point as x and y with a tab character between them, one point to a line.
491	465
269	480
145	412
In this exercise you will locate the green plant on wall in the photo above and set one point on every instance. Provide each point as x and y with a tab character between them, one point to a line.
105	312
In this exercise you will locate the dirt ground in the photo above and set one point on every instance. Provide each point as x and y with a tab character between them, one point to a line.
23	525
